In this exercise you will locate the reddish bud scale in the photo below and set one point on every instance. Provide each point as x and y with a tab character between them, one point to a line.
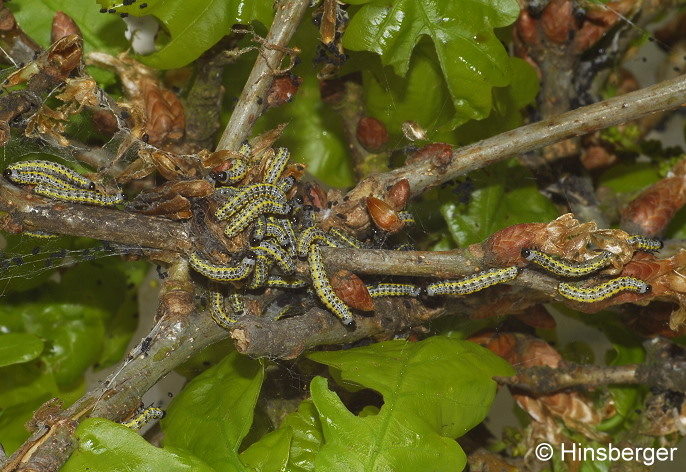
439	153
63	25
650	212
165	115
398	194
384	217
352	290
557	21
283	89
371	133
504	247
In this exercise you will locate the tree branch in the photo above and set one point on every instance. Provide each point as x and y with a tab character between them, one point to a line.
664	368
422	175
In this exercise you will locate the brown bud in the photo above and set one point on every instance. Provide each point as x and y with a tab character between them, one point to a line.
398	194
597	157
383	215
537	317
371	133
332	91
193	188
653	209
283	89
504	247
164	112
557	21
526	28
437	152
315	196
352	290
63	25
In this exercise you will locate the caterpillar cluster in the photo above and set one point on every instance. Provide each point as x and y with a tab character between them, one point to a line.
573	269
282	231
59	182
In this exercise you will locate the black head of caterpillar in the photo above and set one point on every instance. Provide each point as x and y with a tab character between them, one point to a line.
527	254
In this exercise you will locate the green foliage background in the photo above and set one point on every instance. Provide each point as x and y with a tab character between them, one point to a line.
437	63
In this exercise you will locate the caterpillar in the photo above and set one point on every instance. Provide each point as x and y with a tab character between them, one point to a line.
218	311
310	236
259	276
406	217
220	272
249	195
87	197
276	166
35	178
57	171
276	254
473	283
260	229
565	268
275	281
286	183
393	290
39	234
144	417
236	304
602	291
323	288
246	217
344	239
643	243
287	226
236	173
245	150
273	230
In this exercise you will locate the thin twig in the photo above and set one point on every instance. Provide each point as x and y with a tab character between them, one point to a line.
252	101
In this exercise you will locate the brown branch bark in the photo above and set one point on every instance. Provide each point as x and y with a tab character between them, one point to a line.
26	211
664	368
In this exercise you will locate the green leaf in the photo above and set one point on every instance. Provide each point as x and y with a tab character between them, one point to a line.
213	413
13	421
295	443
101	32
194	25
471	57
75	335
507	103
630	177
395	100
506	194
307	437
16	348
434	391
110	447
24	383
270	453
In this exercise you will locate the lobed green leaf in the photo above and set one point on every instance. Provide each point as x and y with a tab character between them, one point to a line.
471	57
213	413
194	25
110	447
434	391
